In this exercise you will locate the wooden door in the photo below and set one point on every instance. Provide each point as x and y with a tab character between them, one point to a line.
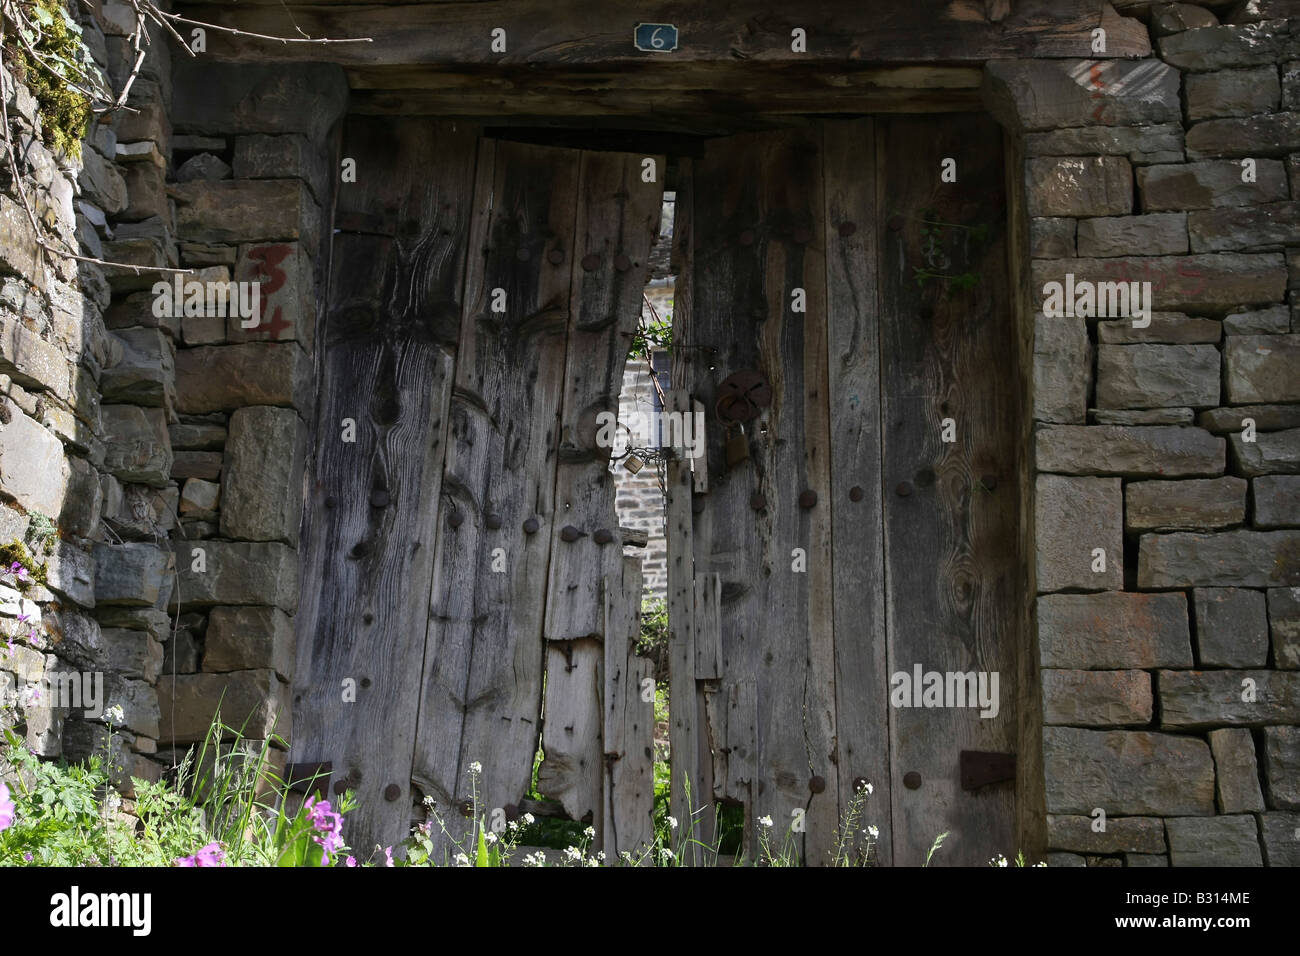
853	543
483	299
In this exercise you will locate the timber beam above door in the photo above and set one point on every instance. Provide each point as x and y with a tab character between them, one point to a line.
582	33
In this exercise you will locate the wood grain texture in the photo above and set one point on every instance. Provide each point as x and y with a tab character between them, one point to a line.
617	219
861	680
574	33
629	723
573	770
372	504
683	717
482	680
759	213
953	568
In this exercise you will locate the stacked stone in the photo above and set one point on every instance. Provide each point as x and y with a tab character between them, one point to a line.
252	171
90	387
638	499
1168	457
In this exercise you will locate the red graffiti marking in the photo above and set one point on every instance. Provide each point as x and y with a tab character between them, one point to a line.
1160	279
270	258
1094	77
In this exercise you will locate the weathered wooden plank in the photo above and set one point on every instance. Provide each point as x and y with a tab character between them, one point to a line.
616	220
699	463
838	31
708	625
482	681
683	719
629	723
573	769
953	566
367	557
759	221
852	287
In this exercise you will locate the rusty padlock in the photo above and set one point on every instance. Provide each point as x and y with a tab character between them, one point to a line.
737	447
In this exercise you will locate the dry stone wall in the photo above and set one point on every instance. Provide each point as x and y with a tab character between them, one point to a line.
1167	448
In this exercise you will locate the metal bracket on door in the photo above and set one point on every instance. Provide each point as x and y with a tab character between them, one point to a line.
979	768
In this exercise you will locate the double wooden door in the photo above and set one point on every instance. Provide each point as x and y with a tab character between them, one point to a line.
464	594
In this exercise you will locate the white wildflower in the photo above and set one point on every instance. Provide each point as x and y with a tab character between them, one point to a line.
591	861
512	826
589	833
874	831
572	854
535	859
429	802
1044	863
528	819
672	823
666	854
600	855
870	789
460	859
114	714
476	767
764	821
489	838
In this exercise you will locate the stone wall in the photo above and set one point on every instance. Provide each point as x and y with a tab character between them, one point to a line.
1167	489
640	499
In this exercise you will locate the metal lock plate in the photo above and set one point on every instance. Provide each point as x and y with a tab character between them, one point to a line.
742	395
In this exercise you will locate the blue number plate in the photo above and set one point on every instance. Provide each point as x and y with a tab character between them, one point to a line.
655	37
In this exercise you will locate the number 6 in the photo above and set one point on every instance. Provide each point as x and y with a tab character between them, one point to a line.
656	40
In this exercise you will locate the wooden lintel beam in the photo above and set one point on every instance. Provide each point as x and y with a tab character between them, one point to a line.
575	33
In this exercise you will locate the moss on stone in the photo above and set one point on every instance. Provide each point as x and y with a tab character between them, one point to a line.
65	113
15	550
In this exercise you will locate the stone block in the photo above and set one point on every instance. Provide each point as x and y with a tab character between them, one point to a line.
1168	328
1282	764
1096	698
223	378
1051	238
1122	834
1154	234
1142	145
1266	418
1215	283
70	572
1270	453
1114	630
242	638
1232	93
1267	135
1184	505
1079	186
33	470
1280	834
146	374
1261	368
205	465
31	361
1214	841
287	278
131	573
199	498
1157	376
1205	185
240	98
1170	18
1042	94
262	481
137	446
1251	559
245	210
252	699
1231	627
1225	228
1224	47
1198	700
1062	362
1136	452
238	572
1236	773
1284	626
198	434
1074	517
1142	416
101	183
1275	320
1276	501
133	654
1127	773
146	192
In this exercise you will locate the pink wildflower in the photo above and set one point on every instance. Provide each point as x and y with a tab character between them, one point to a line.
6	808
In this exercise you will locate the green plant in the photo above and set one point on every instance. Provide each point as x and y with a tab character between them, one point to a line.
51	58
654	628
41	531
934	233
